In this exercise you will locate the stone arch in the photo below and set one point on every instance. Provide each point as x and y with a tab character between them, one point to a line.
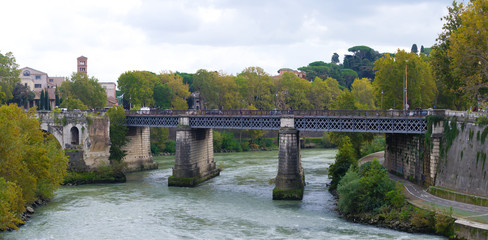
49	135
75	136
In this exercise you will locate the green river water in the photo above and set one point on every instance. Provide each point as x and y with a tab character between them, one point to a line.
235	205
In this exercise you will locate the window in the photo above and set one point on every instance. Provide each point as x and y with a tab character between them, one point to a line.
51	80
38	76
82	62
82	69
26	73
25	84
37	86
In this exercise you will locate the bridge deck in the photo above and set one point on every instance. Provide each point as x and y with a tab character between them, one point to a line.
412	122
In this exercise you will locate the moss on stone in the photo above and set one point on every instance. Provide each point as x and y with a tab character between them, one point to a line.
191	181
457	196
287	194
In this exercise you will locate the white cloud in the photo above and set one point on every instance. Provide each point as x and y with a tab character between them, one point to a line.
153	35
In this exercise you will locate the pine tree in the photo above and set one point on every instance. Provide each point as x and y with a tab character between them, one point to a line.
414	49
422	50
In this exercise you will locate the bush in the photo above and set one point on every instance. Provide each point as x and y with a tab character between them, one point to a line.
170	146
368	190
325	141
155	149
444	223
344	159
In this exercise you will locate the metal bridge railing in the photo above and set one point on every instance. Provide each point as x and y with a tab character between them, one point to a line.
275	112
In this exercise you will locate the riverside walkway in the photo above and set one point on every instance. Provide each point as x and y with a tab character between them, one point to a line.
470	215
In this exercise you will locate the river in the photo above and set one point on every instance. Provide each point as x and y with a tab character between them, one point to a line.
235	205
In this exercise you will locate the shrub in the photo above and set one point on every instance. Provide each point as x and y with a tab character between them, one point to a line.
170	146
344	159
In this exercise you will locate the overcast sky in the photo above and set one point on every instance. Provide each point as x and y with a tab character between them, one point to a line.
222	35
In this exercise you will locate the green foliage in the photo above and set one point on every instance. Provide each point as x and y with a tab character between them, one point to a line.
72	104
414	49
104	174
377	145
444	223
137	87
468	50
118	133
32	164
9	76
345	158
390	78
326	142
159	136
22	95
450	132
170	146
368	189
85	89
162	96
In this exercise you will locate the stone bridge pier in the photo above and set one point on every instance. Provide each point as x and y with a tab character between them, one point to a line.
138	150
290	180
194	160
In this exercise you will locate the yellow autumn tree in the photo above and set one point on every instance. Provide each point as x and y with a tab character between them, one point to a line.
32	164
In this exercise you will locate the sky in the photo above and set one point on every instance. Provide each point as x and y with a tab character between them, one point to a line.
217	35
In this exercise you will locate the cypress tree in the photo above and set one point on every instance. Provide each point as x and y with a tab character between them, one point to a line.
41	100
414	49
48	102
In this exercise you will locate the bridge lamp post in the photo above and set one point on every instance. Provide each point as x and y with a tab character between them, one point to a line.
381	100
405	84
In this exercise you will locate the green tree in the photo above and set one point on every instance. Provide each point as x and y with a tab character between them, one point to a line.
256	88
449	85
203	82
138	87
22	95
162	96
390	79
9	76
159	136
85	89
118	133
335	58
178	88
469	51
362	89
295	90
320	94
414	49
41	100
72	104
345	158
422	49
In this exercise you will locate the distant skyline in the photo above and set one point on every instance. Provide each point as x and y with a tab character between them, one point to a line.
217	35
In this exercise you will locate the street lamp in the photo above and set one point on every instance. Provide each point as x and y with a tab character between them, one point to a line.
381	100
405	86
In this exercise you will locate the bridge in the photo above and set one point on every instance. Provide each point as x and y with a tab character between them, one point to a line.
194	160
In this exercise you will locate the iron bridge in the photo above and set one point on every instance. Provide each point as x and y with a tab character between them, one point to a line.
408	122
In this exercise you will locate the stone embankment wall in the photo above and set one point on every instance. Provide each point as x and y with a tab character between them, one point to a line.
406	155
462	166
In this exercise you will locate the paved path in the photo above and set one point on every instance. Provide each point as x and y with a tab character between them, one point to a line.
419	196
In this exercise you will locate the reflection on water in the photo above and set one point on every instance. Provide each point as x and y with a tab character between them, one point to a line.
235	205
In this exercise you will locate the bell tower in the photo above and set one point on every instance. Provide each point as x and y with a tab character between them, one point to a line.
82	64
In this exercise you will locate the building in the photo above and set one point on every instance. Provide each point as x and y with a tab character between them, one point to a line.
37	81
110	90
299	74
82	64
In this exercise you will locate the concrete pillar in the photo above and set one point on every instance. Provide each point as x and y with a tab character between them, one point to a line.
194	160
290	181
138	150
435	139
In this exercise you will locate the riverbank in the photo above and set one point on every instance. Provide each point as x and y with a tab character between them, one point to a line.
470	221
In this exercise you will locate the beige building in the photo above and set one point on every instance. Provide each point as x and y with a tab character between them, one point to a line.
37	81
110	90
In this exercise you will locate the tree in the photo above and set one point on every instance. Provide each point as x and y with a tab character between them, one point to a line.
362	89
9	76
138	87
72	104
422	50
345	158
335	58
203	82
414	49
256	88
41	100
22	95
32	164
178	88
450	92
162	96
390	79
469	51
118	133
296	90
85	89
